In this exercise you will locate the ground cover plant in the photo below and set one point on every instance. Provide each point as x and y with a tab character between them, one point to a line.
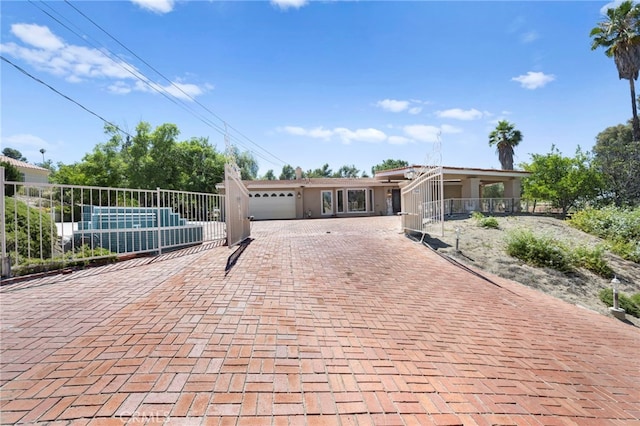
485	221
630	304
620	227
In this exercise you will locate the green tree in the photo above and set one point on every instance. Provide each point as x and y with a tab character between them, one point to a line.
11	174
269	175
13	153
288	173
200	166
617	156
347	172
505	137
248	165
388	164
323	172
564	181
619	35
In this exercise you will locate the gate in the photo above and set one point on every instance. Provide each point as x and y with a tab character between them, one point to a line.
423	203
237	206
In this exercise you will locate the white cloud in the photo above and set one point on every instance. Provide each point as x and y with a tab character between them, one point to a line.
286	4
157	6
345	135
393	105
529	37
45	51
360	135
37	36
611	5
422	133
534	80
415	110
25	141
446	128
460	114
398	140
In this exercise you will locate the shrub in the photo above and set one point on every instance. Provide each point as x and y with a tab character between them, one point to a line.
620	227
629	304
485	222
538	251
591	259
34	234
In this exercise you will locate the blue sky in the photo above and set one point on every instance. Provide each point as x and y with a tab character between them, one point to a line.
308	83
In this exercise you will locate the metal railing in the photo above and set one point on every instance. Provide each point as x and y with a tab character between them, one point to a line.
422	203
45	224
453	206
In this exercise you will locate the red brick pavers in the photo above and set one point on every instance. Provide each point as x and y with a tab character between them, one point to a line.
320	322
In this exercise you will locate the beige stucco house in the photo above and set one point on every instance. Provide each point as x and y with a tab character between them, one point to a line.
351	197
29	172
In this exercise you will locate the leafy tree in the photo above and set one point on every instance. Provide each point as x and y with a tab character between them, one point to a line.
619	35
269	175
617	157
323	172
564	181
200	166
11	174
347	172
248	165
13	153
387	165
288	172
505	137
493	191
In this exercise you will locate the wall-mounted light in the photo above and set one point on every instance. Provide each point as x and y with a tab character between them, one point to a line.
299	195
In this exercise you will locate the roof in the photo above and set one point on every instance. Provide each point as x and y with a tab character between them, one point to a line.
400	172
22	164
310	183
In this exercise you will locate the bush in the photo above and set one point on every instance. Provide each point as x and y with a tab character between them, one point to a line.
485	222
591	259
538	251
34	234
629	304
619	227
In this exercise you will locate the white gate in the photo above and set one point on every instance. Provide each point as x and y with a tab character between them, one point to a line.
423	203
237	206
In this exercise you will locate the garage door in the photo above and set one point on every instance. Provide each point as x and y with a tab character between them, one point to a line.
272	205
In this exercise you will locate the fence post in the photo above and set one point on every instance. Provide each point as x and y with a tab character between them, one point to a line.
5	263
158	213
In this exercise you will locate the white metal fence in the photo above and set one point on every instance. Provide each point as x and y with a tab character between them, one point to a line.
45	224
423	203
237	201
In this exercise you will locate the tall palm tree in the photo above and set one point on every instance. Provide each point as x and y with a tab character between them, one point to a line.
619	34
505	137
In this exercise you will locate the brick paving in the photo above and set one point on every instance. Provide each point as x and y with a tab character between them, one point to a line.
320	322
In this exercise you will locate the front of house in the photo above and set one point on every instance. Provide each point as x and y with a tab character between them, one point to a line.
352	197
28	172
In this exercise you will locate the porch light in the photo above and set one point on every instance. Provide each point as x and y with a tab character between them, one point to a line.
299	195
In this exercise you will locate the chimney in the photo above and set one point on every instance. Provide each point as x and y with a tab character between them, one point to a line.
298	173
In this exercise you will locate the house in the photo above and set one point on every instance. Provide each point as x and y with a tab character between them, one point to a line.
29	172
351	197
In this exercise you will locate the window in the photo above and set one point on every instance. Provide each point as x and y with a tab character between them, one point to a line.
327	202
356	200
340	200
371	200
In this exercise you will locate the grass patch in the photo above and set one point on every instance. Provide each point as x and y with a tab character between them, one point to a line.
630	304
591	259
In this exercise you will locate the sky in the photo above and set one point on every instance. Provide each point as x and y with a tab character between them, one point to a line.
306	83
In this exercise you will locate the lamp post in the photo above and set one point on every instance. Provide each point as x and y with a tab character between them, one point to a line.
616	310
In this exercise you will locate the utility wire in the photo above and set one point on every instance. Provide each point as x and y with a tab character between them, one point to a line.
63	95
171	82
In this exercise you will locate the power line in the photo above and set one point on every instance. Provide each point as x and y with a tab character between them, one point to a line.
172	83
63	95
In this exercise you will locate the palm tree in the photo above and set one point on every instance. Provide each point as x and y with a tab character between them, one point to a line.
619	34
505	137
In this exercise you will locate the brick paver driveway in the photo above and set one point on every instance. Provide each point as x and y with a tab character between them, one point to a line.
319	322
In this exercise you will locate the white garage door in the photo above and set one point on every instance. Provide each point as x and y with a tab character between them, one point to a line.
272	205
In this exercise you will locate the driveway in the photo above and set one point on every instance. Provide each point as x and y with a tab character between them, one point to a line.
335	321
